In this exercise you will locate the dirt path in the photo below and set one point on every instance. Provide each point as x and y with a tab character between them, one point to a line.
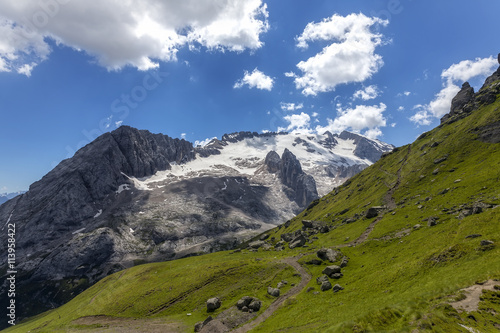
472	296
305	278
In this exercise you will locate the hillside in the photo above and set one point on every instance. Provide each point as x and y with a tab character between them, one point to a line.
415	237
133	197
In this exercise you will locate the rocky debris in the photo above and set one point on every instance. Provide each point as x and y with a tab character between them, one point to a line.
244	302
198	326
275	292
326	285
337	288
327	254
331	270
213	304
374	211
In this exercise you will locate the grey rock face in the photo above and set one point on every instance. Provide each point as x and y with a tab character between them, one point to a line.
464	96
273	162
302	185
365	148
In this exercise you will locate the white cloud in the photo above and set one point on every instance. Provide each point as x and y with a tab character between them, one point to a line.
393	125
290	74
256	79
350	58
370	92
118	123
137	33
291	106
361	118
461	72
297	123
183	136
401	108
315	114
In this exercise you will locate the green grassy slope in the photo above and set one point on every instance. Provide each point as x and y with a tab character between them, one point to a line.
400	277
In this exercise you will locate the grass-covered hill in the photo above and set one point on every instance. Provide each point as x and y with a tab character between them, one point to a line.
410	233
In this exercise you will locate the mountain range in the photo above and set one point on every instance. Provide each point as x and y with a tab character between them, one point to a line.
131	197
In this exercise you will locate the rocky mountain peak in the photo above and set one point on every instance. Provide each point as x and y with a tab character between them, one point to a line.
467	101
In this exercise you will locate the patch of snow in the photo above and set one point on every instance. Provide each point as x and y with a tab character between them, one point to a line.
98	214
470	329
131	230
123	187
8	220
77	231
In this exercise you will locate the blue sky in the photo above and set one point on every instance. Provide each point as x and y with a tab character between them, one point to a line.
71	70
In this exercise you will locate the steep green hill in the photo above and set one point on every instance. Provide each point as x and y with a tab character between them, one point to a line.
413	231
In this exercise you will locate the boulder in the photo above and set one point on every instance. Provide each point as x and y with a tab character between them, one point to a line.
337	288
374	211
330	270
316	262
255	305
312	224
287	237
326	285
431	221
297	242
264	237
213	304
473	236
486	242
256	244
344	262
244	301
336	275
327	254
275	292
321	279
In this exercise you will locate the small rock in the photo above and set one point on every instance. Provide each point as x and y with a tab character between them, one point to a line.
326	285
244	309
436	171
336	276
486	242
344	262
432	221
417	226
297	242
316	262
458	181
374	211
308	290
440	160
337	288
324	229
473	236
444	191
280	285
264	237
275	292
198	326
213	304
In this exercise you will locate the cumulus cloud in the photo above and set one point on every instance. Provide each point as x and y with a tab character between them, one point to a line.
291	106
297	123
370	92
256	79
349	58
461	72
137	33
363	119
